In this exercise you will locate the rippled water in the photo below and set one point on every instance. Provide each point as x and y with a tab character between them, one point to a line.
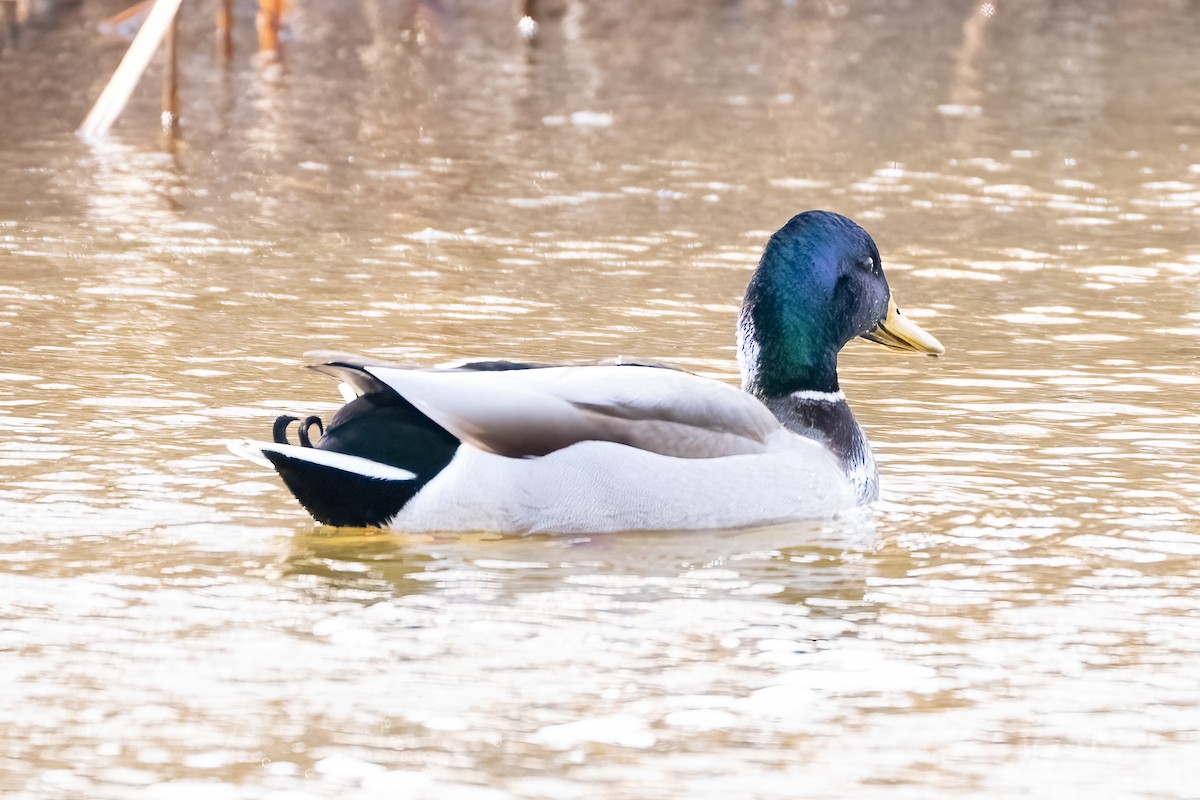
1018	616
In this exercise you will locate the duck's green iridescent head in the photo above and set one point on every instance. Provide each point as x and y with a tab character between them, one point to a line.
818	285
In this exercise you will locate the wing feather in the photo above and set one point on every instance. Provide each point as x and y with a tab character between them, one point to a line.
532	412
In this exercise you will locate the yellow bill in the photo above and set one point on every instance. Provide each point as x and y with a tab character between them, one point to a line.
901	333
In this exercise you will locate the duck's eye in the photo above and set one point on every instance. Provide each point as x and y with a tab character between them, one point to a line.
868	264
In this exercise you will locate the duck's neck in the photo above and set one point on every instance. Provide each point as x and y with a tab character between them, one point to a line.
825	417
803	394
780	350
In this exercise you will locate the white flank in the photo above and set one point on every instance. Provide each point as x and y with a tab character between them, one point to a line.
325	458
593	487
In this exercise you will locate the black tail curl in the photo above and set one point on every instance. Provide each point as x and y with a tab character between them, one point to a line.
282	422
305	425
279	429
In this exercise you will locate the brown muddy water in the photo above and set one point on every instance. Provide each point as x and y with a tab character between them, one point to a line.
1019	616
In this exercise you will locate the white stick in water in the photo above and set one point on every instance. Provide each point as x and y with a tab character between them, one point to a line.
116	94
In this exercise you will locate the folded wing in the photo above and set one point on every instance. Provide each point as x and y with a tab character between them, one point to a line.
532	412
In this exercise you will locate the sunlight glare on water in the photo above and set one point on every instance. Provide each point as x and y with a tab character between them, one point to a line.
1018	616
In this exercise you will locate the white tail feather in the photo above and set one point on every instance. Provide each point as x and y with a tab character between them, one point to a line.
326	458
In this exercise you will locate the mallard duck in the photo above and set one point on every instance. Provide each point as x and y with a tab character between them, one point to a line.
518	447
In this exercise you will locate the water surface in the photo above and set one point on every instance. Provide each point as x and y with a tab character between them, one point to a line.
1019	614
